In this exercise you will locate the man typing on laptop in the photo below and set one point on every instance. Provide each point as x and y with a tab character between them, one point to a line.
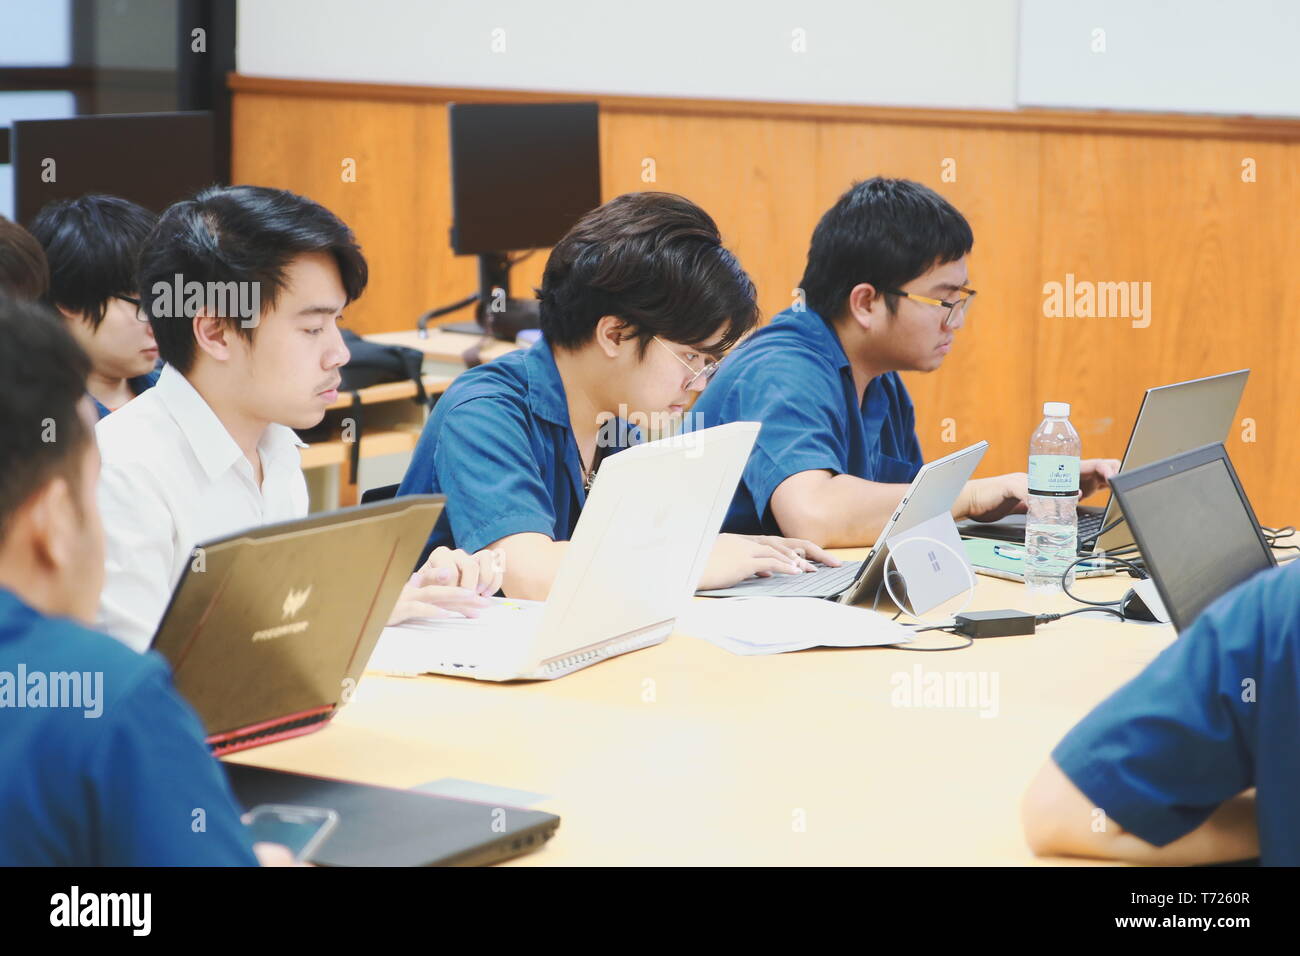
638	301
244	287
886	288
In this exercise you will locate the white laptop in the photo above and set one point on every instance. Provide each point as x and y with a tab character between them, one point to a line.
933	492
636	556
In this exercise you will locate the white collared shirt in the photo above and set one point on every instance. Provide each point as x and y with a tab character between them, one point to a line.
173	478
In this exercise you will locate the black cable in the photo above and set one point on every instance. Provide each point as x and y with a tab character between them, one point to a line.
1049	618
1114	552
422	322
1108	557
1274	535
1114	524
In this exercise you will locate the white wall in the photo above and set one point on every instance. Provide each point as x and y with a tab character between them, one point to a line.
1202	56
958	53
1199	56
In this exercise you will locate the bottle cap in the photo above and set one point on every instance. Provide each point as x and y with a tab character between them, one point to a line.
1056	409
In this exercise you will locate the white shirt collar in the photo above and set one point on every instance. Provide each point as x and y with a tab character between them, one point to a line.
212	445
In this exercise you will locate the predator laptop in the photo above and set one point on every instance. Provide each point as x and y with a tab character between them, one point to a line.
269	630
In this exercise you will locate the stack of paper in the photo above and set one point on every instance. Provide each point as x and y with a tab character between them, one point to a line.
774	625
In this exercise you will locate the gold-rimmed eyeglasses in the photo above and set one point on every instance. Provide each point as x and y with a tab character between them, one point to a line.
957	309
701	375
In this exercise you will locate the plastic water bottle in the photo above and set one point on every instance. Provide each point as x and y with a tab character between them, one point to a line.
1052	525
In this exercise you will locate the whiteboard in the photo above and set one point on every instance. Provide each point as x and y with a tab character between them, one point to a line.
1183	56
920	53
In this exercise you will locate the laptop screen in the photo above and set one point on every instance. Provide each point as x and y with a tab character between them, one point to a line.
1197	533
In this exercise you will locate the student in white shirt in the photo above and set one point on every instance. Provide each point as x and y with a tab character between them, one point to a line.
244	287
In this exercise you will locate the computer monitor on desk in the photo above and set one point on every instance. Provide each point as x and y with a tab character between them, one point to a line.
521	175
152	159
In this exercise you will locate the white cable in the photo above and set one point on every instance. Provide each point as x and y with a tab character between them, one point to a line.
970	594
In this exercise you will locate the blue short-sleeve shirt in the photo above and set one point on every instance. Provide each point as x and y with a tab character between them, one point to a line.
793	376
118	773
500	447
1215	714
138	385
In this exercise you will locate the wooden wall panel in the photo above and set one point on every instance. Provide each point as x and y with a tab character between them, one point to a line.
1110	198
399	204
1217	252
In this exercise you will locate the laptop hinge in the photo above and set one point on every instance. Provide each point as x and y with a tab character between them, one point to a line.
631	641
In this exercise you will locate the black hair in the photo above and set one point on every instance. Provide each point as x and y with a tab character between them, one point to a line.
885	232
42	380
237	234
91	244
654	260
24	273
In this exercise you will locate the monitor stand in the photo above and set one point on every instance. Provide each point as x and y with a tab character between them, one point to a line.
502	316
466	328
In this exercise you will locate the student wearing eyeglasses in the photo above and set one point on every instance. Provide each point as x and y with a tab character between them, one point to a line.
92	243
885	290
638	303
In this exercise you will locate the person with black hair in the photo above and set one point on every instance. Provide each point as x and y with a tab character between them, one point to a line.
638	303
244	287
885	290
105	764
91	244
24	273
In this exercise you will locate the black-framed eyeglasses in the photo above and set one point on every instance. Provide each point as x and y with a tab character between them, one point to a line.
701	375
139	306
959	307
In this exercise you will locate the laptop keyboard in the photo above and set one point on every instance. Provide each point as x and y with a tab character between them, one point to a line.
1089	524
825	580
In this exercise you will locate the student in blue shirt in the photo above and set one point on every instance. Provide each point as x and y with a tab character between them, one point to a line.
103	763
885	290
638	302
1162	771
92	244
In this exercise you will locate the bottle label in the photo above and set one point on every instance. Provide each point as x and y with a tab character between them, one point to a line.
1053	476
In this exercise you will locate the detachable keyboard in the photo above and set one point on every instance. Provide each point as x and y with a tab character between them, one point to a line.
823	582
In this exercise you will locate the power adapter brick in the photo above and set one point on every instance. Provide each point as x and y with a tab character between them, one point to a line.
994	623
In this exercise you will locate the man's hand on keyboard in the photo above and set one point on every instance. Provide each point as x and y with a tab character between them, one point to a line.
806	555
736	557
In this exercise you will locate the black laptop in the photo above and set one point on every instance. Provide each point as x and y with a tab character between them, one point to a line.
1195	527
382	826
269	629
